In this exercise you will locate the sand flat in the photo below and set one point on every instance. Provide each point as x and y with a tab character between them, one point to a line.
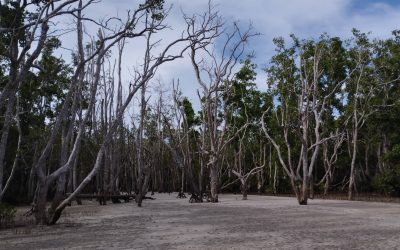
262	222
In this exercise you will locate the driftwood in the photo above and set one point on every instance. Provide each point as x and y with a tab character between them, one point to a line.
148	198
194	198
207	196
181	195
102	198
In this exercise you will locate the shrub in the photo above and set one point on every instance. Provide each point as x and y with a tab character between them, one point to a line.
388	182
7	215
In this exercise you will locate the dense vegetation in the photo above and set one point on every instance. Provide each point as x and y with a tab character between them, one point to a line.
328	122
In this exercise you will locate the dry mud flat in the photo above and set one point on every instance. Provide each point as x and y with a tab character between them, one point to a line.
262	222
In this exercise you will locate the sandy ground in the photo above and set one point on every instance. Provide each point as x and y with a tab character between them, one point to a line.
262	222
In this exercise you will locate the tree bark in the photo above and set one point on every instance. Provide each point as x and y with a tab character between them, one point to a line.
4	137
41	199
353	164
214	183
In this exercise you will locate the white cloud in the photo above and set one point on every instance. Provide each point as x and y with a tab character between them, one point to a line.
304	18
272	18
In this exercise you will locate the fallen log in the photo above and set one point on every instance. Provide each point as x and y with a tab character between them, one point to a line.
102	198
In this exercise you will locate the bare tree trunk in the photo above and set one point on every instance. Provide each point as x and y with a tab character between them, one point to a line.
41	199
353	164
17	155
379	157
366	156
4	137
243	188
311	187
306	180
182	180
214	185
214	182
66	140
275	178
141	167
259	182
260	174
327	185
31	180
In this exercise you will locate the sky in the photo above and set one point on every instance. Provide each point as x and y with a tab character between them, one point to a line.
271	18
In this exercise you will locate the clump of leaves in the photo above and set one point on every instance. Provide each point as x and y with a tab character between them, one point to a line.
388	181
155	7
7	215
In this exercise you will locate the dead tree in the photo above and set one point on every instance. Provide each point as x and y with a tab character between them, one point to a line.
181	142
151	23
105	42
239	168
142	166
213	74
244	176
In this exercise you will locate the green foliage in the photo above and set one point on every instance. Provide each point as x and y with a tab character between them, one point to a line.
43	93
189	113
11	16
155	7
388	181
7	215
244	103
394	155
